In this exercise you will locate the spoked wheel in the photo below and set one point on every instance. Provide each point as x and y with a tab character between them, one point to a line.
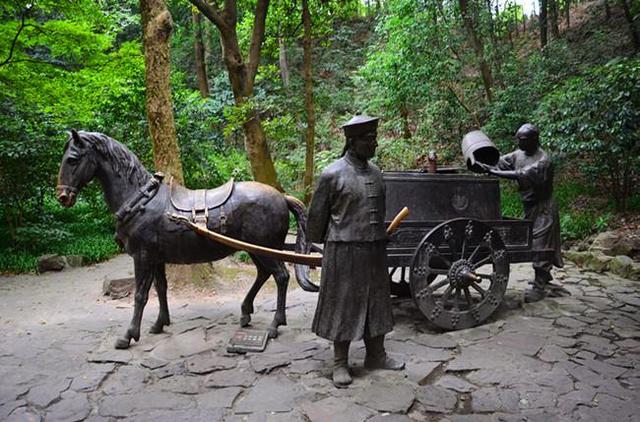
399	288
459	273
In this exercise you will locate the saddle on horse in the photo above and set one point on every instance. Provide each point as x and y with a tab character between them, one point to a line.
203	203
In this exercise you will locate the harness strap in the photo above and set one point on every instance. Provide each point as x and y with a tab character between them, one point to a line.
136	204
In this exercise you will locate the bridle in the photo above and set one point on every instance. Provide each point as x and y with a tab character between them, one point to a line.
70	189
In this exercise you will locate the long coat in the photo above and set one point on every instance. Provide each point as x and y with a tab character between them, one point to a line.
347	214
535	184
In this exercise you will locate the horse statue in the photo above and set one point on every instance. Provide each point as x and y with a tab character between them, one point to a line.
248	211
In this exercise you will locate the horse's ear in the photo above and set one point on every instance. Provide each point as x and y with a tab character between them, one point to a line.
77	141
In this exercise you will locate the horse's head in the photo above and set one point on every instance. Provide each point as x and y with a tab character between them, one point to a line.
76	170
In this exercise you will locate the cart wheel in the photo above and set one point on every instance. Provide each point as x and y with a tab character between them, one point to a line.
447	282
399	288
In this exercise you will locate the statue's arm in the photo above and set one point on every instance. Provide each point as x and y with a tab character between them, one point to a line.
320	210
505	167
506	174
495	171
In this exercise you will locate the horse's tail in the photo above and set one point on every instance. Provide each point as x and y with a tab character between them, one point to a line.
302	246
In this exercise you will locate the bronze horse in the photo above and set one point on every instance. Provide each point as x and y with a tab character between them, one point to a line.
253	212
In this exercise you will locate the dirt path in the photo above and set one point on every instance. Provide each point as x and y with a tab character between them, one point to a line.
572	358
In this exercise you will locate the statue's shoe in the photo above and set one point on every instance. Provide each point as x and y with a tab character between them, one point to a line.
534	295
341	376
385	362
555	290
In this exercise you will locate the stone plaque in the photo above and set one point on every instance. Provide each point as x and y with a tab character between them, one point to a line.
248	341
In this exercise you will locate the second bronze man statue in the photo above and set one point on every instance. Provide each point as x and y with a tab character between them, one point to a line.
347	215
532	168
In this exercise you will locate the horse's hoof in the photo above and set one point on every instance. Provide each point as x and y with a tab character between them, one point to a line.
272	332
156	329
122	343
245	320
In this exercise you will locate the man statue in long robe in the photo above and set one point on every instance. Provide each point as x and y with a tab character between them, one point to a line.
347	215
532	168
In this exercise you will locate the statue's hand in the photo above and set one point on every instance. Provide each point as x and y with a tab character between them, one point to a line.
485	167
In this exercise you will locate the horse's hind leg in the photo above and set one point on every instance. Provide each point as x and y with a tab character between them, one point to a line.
160	283
281	275
144	271
247	304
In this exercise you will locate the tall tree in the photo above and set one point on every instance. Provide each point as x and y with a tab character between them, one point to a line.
308	103
282	60
200	62
157	28
242	74
633	31
553	14
478	47
543	23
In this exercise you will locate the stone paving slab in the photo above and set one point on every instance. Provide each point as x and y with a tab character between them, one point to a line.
564	359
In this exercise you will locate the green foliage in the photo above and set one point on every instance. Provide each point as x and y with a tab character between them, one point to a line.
242	256
16	262
79	64
86	229
581	211
510	200
597	117
527	80
62	69
93	248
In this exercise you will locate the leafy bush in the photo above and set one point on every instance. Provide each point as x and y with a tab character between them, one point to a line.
582	211
510	200
92	248
26	136
527	80
596	118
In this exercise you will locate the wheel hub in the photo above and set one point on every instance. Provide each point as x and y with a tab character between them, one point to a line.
461	274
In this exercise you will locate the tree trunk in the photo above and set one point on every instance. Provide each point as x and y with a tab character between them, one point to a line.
284	68
543	23
208	40
157	27
308	104
567	9
607	10
404	114
242	76
476	42
497	59
201	69
553	12
633	31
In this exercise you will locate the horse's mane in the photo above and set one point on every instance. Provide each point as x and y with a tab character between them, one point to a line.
124	162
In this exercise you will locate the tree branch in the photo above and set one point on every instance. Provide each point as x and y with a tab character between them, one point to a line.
256	39
231	11
211	11
59	65
464	106
15	41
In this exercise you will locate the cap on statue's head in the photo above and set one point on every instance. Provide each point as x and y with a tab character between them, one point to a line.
360	124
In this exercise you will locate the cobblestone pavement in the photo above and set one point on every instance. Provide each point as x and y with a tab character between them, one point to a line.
573	358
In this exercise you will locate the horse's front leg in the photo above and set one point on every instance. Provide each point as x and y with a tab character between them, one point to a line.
160	282
144	273
247	304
